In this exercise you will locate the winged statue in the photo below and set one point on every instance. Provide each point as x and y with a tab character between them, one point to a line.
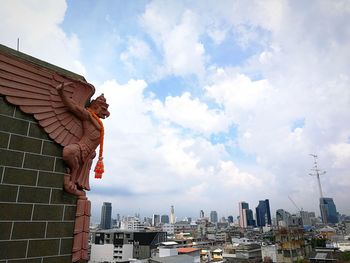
59	105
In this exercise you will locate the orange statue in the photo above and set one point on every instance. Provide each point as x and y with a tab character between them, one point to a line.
79	155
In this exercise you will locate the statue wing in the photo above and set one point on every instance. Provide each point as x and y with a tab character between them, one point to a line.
33	90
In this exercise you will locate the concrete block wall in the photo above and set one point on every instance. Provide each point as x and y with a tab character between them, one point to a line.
36	215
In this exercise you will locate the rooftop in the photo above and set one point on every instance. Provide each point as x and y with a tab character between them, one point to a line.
185	250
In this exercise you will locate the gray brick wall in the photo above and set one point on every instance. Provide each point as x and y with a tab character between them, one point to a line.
36	215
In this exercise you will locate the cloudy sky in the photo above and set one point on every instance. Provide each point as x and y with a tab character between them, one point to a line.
212	102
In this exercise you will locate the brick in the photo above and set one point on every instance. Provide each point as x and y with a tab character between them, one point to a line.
33	195
60	166
21	115
8	193
11	125
48	212
15	211
69	212
19	176
39	162
25	144
13	249
6	108
60	229
27	260
24	230
61	197
36	131
50	179
66	246
4	139
53	149
11	158
47	247
5	230
59	259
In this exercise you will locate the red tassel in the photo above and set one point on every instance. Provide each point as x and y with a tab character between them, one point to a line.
99	169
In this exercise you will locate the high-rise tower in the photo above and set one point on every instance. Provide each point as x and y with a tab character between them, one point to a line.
245	215
213	217
263	215
243	207
328	209
201	214
106	216
172	215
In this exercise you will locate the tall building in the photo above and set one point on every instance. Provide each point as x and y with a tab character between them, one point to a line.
250	218
243	207
172	215
106	216
201	214
155	220
328	209
164	219
263	215
283	218
213	217
246	217
230	219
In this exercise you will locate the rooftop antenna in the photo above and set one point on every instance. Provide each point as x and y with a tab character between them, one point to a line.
18	44
317	172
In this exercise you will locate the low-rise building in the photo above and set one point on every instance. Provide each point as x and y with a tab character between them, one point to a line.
291	244
121	245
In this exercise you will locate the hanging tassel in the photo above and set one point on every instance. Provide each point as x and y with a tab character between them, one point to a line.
99	168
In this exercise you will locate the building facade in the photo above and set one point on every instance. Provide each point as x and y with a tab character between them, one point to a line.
172	215
263	215
328	210
164	219
213	217
106	216
120	246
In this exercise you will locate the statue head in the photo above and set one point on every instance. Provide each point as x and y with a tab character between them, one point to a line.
100	107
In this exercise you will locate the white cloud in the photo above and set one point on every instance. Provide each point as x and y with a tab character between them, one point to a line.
192	114
136	50
147	156
177	36
40	33
341	154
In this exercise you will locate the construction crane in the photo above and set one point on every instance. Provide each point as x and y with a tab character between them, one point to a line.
298	209
317	172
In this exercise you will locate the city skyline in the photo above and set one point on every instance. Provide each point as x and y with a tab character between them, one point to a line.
211	102
251	218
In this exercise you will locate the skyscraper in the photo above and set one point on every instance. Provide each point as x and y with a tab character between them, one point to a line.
328	209
164	219
213	217
245	215
201	214
172	215
106	216
263	215
230	219
155	220
283	218
243	207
